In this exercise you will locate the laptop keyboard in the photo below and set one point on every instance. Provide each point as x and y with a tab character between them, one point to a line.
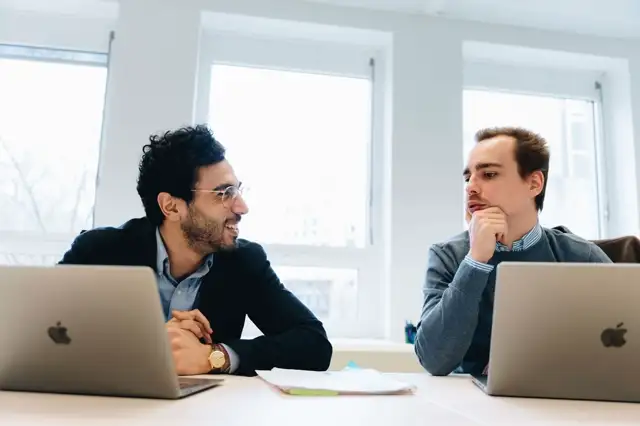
481	381
191	382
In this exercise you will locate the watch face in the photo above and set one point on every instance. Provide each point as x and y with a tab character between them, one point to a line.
217	359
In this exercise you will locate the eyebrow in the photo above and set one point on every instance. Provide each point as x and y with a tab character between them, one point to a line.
481	166
224	186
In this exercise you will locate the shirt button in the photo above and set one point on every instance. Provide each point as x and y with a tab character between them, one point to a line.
179	292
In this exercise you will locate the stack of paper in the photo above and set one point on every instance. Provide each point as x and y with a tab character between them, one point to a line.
347	382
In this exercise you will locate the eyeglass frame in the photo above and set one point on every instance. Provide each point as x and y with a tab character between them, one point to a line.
221	192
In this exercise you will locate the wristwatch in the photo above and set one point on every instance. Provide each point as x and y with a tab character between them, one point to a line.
219	359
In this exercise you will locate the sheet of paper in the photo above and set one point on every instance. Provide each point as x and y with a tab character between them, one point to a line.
346	382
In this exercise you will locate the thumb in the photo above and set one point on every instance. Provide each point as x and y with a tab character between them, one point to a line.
181	315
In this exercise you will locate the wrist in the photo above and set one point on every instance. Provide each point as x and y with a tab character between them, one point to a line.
206	364
477	257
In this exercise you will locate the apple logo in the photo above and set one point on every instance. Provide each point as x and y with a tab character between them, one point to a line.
614	336
58	334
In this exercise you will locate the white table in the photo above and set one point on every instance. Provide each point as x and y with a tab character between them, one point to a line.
249	402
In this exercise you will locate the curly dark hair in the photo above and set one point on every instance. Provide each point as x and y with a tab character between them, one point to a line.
170	163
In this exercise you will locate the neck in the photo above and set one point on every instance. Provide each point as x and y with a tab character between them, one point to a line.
183	259
518	227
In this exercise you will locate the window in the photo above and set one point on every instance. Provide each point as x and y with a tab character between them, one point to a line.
51	105
568	125
303	155
330	293
300	137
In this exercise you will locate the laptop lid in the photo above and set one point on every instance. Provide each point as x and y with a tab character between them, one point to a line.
566	330
84	329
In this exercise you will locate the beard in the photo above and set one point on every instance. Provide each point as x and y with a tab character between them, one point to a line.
203	234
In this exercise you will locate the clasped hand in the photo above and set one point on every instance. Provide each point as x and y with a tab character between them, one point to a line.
185	329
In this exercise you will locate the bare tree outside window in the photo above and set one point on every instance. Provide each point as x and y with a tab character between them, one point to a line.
50	127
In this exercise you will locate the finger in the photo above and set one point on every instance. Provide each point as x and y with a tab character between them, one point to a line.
485	215
491	210
497	227
182	315
492	218
173	332
198	316
204	333
193	315
494	209
501	233
193	327
493	224
493	229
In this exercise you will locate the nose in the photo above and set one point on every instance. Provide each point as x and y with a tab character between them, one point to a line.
472	186
240	206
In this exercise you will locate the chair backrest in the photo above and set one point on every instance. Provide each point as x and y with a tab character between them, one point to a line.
622	249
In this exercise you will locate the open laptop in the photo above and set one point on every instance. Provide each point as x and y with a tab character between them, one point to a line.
87	330
567	331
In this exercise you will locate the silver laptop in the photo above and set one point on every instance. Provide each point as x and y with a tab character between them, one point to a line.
87	330
567	331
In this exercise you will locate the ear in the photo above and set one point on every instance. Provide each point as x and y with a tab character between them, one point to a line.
170	206
536	183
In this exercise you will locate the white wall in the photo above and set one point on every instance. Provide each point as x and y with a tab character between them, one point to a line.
154	68
59	31
151	88
426	157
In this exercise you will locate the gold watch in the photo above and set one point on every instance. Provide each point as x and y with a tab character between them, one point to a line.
219	359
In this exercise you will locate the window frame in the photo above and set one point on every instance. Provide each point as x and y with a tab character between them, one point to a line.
331	59
33	243
551	82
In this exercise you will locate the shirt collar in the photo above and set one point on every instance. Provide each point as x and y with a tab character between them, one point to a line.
527	241
162	260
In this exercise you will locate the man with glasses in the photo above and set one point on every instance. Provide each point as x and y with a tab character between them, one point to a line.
208	279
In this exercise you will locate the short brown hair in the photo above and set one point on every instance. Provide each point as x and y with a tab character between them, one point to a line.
531	153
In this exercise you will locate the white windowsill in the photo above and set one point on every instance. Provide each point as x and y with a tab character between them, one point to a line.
370	345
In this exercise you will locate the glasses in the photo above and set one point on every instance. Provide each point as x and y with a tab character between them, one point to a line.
228	195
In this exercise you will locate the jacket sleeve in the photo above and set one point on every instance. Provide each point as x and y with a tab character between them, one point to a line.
293	338
450	311
80	252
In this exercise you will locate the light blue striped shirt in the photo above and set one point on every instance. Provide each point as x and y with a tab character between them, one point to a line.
524	243
181	296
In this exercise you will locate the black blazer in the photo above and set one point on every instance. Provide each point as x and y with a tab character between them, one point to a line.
240	283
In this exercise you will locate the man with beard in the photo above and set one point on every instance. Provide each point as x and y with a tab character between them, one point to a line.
208	279
506	176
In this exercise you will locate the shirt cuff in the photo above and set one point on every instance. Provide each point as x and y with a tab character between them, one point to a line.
234	360
478	265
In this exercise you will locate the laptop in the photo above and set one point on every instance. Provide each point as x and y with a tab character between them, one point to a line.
565	331
87	330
